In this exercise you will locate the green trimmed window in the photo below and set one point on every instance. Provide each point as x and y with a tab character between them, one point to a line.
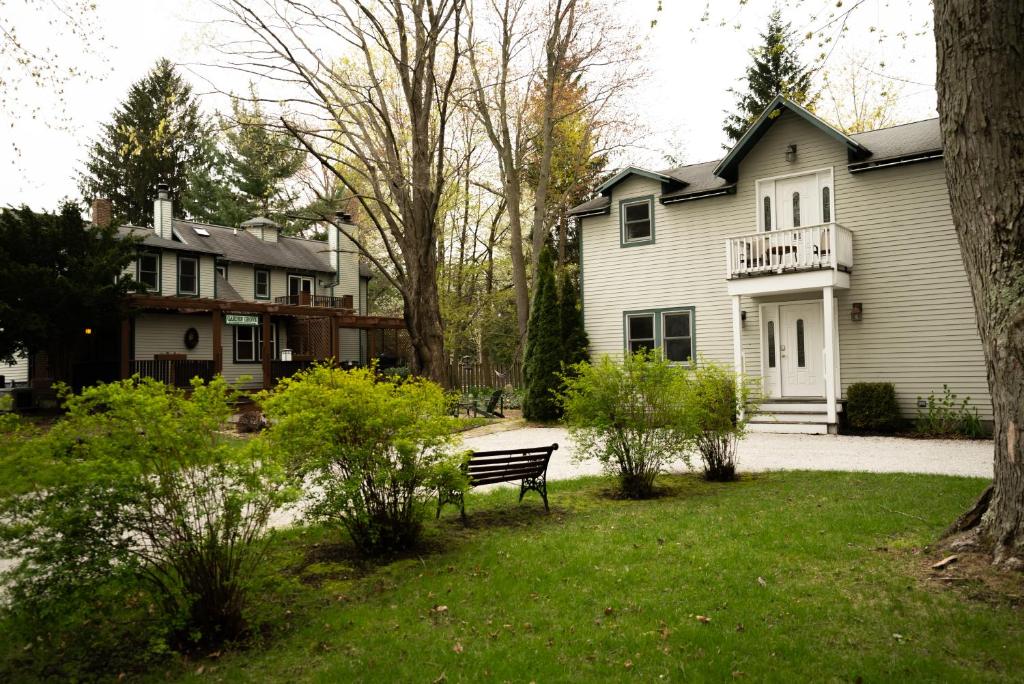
262	279
637	218
147	270
671	331
188	275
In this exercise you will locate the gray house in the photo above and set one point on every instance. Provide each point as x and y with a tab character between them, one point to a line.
807	258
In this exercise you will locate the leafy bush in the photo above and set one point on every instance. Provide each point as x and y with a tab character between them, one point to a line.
629	416
371	450
133	498
945	417
872	406
717	405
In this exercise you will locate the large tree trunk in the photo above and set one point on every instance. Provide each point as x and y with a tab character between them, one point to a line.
423	321
980	46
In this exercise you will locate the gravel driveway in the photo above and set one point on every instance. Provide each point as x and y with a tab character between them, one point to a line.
781	452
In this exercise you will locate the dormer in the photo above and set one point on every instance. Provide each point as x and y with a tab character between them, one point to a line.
262	228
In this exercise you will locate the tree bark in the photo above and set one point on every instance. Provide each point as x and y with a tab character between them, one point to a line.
981	106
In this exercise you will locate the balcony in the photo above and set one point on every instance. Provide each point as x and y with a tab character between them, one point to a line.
321	301
827	246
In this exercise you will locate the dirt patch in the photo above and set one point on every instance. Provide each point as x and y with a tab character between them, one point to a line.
972	576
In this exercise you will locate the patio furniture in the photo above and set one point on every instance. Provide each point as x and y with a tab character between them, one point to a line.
491	408
528	466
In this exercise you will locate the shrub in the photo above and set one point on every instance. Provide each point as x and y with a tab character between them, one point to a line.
717	405
134	498
629	416
872	406
945	417
371	450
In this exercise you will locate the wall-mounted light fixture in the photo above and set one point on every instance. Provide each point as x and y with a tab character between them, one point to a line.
88	331
743	316
791	153
857	311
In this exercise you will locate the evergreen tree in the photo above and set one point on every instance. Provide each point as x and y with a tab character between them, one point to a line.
544	348
574	335
157	135
776	69
260	162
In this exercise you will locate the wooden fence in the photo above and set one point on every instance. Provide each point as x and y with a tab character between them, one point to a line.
175	372
470	376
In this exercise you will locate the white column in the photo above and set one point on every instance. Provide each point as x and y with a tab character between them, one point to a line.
737	337
829	306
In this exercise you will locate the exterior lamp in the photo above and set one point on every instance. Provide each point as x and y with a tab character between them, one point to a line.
857	312
88	331
286	354
791	153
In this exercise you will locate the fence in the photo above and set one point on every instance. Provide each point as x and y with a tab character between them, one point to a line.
469	376
175	372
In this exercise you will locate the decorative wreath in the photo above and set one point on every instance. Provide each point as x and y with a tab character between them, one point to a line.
191	338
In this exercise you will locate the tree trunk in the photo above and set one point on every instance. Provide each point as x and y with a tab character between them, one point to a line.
423	321
522	289
981	105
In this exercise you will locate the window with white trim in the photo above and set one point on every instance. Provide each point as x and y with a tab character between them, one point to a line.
222	270
188	275
637	221
262	278
640	332
249	343
148	270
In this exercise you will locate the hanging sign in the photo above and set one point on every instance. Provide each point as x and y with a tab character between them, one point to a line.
241	319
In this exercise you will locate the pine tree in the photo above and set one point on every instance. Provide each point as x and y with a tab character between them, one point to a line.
261	161
776	69
574	335
544	348
157	135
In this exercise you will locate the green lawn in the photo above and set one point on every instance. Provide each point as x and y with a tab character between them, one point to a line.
610	589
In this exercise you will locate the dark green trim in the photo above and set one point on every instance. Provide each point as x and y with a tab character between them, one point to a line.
658	315
728	167
632	171
159	268
255	283
177	276
623	203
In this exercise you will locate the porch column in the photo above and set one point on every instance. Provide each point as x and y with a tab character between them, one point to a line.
737	334
126	348
218	347
266	351
333	355
829	306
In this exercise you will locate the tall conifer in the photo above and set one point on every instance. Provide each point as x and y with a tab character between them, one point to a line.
544	348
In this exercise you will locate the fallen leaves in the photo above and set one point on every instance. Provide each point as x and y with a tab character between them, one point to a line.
948	560
703	619
457	647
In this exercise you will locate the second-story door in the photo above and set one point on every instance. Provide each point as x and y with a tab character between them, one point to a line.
300	288
796	201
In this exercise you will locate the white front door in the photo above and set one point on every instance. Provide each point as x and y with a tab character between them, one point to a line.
801	346
796	200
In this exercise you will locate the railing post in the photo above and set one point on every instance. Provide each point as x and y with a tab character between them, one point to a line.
728	258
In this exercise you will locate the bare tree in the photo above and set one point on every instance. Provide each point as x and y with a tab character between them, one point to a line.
376	115
856	98
981	108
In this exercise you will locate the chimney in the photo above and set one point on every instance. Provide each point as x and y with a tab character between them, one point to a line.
163	211
102	211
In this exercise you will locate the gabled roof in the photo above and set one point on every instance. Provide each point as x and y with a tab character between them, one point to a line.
728	166
244	247
151	239
633	171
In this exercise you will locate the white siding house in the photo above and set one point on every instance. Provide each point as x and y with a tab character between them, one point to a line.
807	258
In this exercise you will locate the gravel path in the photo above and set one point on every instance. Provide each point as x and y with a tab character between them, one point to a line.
760	452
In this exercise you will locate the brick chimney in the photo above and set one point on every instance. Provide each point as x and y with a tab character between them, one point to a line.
163	211
102	211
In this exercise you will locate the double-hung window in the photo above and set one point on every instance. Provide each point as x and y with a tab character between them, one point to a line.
188	275
222	270
637	217
249	343
148	271
670	331
262	278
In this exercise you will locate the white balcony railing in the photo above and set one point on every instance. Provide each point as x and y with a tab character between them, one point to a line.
827	245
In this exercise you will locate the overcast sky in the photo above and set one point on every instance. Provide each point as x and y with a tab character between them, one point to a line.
693	63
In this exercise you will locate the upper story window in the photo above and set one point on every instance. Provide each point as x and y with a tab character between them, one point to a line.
298	285
826	205
148	271
637	217
640	332
188	275
796	209
767	213
262	280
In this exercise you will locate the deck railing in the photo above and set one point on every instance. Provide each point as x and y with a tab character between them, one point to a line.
175	372
323	301
827	245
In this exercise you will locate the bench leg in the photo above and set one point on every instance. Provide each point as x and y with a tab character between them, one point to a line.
451	497
537	484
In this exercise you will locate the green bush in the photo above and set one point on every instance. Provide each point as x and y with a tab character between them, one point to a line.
872	406
371	450
946	417
630	416
544	346
132	504
717	405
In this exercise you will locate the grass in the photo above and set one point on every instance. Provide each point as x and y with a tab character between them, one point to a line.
781	576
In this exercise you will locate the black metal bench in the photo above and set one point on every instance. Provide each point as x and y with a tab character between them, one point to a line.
528	466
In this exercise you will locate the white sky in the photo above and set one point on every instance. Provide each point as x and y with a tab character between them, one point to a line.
692	63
